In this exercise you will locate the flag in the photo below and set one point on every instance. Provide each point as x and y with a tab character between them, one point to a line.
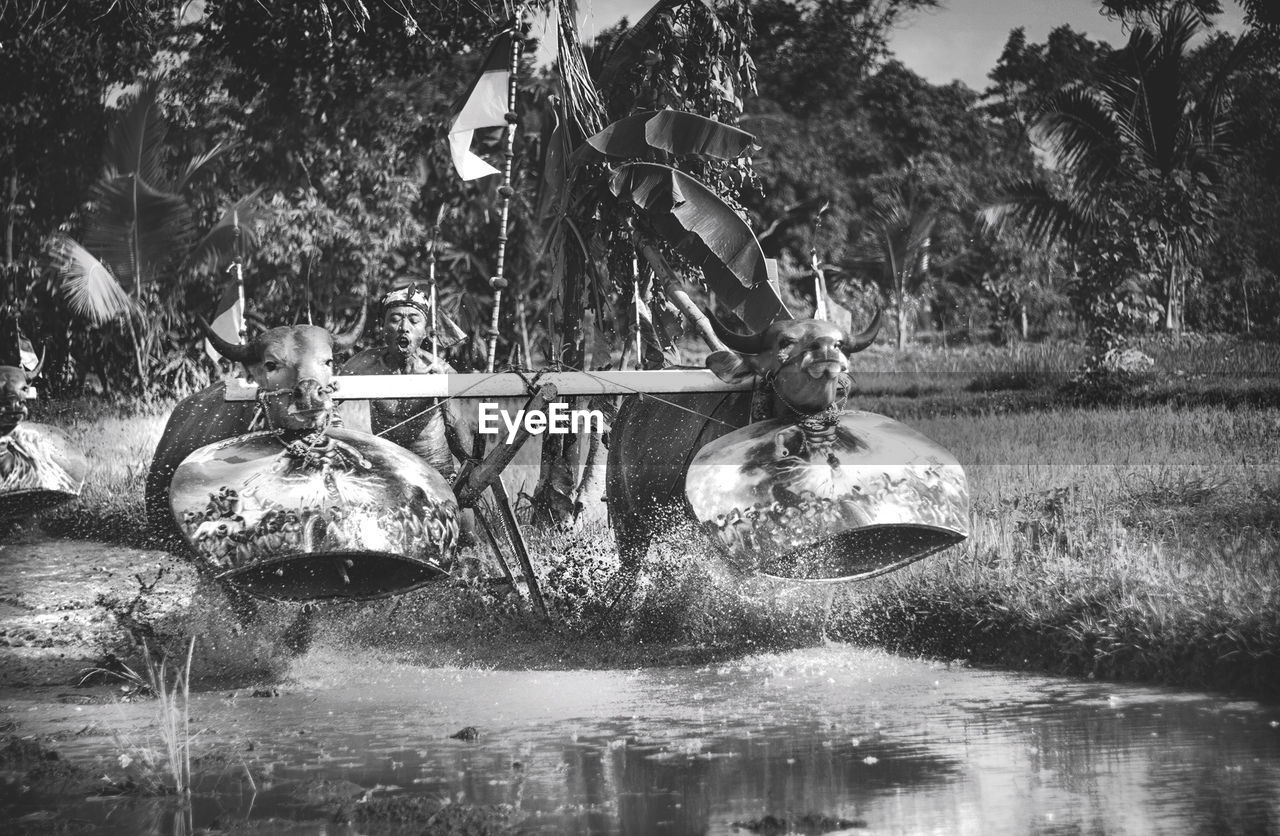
228	319
27	357
484	105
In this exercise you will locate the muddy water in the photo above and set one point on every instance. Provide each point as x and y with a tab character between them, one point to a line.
835	735
888	745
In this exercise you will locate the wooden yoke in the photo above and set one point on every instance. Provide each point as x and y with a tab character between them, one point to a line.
475	480
486	476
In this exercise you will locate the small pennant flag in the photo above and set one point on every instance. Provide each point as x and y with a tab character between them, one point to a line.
483	106
228	320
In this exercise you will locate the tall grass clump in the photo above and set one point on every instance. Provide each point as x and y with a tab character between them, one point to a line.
172	714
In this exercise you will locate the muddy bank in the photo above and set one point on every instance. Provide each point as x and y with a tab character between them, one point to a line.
68	607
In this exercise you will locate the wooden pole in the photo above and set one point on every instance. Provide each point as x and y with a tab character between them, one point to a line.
499	281
239	269
511	385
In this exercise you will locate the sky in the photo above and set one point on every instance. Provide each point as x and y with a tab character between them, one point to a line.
962	40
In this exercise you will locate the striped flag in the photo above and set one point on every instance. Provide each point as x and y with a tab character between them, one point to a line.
228	319
484	105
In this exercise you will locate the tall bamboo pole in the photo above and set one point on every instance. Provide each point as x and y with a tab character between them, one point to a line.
499	281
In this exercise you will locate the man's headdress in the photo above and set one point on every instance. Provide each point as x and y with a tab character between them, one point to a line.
409	296
412	296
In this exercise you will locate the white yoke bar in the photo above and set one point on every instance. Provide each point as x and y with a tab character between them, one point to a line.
510	385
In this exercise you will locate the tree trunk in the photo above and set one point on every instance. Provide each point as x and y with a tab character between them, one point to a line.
902	324
137	354
9	225
1171	299
1022	321
522	321
1244	297
553	496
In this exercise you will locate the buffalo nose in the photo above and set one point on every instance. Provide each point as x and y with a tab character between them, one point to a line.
828	351
308	393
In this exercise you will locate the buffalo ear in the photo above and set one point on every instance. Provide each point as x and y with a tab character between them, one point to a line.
730	366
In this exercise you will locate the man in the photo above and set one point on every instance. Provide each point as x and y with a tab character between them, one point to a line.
414	424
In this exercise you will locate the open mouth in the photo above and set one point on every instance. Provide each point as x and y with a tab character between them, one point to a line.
403	343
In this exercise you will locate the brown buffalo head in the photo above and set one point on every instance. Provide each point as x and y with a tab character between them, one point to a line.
807	361
15	383
293	366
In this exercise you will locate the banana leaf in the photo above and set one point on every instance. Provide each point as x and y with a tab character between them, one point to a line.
670	131
708	233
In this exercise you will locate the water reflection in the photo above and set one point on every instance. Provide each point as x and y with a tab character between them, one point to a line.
897	745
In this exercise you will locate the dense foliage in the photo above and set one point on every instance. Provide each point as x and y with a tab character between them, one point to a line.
324	125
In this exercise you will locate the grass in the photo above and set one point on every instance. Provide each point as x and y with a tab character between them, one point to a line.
174	721
118	443
1129	536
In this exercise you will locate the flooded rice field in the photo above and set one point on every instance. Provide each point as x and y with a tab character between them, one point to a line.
829	738
824	739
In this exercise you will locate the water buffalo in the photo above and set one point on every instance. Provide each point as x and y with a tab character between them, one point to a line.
803	364
293	367
15	382
39	466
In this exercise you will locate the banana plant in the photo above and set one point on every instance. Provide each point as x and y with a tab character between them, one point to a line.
671	205
615	188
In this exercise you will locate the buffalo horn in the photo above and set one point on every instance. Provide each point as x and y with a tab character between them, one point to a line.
741	343
345	341
866	337
235	352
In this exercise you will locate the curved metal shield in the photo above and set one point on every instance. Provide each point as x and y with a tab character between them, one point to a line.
39	468
857	497
350	516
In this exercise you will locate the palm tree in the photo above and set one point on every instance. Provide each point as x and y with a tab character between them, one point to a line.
1144	139
140	233
895	248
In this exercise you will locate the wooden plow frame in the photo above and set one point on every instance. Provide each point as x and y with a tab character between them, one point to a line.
480	481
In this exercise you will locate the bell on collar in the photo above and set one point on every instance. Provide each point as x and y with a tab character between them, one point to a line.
340	514
847	497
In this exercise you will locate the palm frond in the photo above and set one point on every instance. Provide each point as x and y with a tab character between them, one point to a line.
136	142
1039	213
90	288
218	246
1080	130
136	228
585	110
196	163
1213	126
